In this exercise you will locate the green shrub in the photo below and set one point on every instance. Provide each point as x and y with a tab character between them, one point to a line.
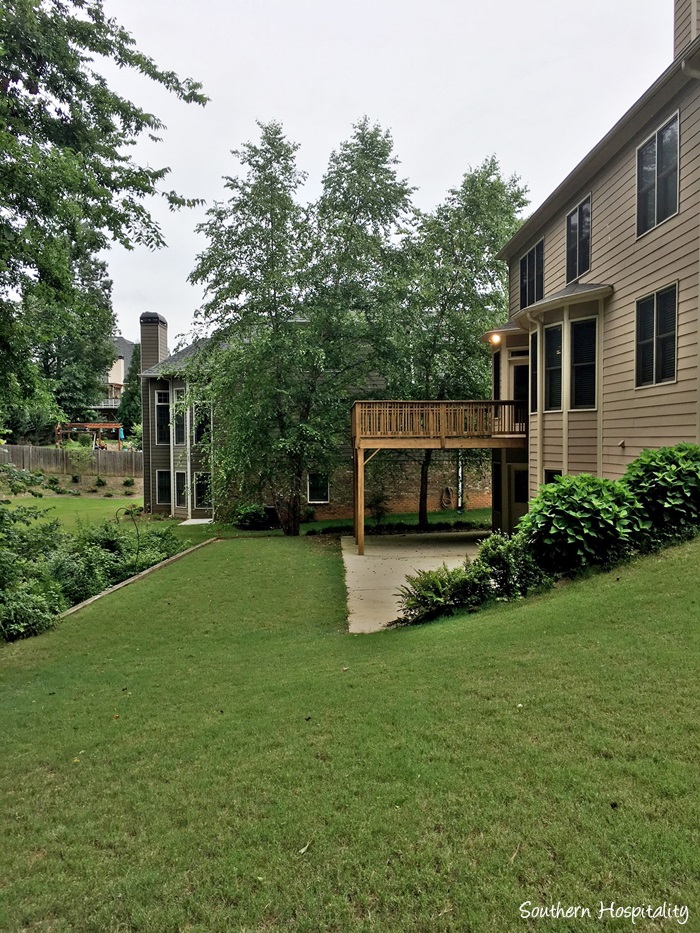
52	482
129	481
129	492
579	521
253	518
100	482
75	478
85	440
92	489
431	593
666	484
25	610
82	574
107	495
511	566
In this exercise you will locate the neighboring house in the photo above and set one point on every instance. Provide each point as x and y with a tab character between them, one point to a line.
603	337
116	377
177	472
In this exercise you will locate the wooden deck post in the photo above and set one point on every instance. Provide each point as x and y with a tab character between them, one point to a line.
360	499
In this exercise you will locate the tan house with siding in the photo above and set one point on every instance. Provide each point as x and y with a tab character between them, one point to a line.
603	337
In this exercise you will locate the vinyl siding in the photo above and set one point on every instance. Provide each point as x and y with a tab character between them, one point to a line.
656	415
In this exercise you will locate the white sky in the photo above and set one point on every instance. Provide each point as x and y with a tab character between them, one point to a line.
537	83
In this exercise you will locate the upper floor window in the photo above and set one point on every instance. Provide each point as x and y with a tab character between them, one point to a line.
578	240
552	367
532	276
657	177
162	417
583	357
179	417
656	338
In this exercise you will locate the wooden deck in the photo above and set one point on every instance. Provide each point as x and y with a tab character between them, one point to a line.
387	425
441	425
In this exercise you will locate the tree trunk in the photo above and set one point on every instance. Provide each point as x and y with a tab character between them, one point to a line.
423	497
289	507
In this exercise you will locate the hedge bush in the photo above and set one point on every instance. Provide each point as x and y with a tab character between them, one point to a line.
43	570
666	484
579	521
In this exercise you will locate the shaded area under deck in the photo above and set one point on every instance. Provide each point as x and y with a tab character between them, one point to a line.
439	425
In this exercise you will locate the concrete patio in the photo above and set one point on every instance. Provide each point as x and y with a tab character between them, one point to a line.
373	580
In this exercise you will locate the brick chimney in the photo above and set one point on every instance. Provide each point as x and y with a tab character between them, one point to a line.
686	23
154	339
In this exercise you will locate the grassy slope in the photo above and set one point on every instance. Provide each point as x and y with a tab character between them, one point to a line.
249	726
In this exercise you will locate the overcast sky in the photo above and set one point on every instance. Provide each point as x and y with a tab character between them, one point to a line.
536	83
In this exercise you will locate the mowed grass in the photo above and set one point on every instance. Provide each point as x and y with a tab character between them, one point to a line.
208	750
71	510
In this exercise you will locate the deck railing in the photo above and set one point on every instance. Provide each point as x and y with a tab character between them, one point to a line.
444	420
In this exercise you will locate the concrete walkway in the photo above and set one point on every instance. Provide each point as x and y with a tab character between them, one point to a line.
372	581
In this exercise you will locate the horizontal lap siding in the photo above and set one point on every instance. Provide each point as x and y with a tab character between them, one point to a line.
583	438
682	23
657	415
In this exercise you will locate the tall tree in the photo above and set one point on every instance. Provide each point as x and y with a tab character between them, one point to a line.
293	293
456	290
129	411
64	162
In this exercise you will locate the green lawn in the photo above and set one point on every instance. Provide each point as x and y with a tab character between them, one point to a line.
208	750
69	510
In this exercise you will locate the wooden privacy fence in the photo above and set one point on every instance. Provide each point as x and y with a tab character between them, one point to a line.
57	460
419	421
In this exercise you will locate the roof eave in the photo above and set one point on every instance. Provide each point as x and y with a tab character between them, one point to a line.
677	75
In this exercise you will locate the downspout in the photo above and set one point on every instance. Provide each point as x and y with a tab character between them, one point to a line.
172	447
537	324
692	72
565	390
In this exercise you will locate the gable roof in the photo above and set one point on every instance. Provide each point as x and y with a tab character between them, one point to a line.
662	91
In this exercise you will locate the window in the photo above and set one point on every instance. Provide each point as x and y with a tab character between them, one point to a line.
578	240
656	338
520	487
162	417
551	475
497	375
583	357
496	488
180	490
179	418
532	276
533	371
657	177
202	490
162	487
202	418
552	368
317	488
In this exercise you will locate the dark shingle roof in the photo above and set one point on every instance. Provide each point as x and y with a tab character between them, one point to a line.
124	348
176	362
